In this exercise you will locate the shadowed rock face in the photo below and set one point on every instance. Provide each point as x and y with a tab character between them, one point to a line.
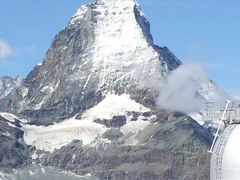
13	152
106	48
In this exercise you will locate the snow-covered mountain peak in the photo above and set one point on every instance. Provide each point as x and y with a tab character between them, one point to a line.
114	10
121	45
111	5
109	2
106	48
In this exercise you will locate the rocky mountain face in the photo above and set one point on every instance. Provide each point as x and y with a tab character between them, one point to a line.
7	85
90	106
107	47
13	151
170	150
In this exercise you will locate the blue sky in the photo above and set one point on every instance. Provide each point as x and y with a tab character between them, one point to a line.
206	31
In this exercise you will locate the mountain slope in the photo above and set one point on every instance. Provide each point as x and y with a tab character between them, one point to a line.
7	85
90	106
174	149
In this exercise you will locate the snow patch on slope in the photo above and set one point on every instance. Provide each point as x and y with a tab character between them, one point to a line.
113	105
55	136
12	118
197	117
8	116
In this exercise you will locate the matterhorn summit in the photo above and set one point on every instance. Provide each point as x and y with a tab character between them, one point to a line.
106	48
90	107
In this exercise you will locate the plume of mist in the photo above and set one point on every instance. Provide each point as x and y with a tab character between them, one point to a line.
180	91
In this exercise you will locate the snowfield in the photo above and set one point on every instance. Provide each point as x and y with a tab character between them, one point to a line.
8	116
55	136
114	105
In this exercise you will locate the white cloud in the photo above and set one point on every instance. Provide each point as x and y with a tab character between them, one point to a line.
179	93
5	49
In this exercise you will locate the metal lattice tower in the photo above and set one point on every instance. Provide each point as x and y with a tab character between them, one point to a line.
213	111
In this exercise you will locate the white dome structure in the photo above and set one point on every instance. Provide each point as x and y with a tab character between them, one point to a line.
225	161
225	148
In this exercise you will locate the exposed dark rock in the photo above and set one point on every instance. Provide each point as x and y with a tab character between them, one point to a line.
7	85
116	121
168	57
177	150
112	134
13	152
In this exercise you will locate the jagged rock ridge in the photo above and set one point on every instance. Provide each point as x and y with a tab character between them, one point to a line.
7	85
